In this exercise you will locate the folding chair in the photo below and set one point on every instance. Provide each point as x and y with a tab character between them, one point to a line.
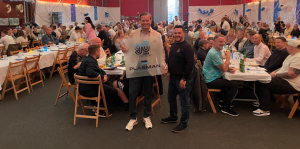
62	71
33	48
102	43
27	44
285	101
101	95
210	91
12	53
35	42
271	43
60	59
107	52
2	49
13	77
142	97
33	70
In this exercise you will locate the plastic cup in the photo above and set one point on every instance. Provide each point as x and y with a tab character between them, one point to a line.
4	57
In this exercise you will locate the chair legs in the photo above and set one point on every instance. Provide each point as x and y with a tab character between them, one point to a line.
53	70
4	89
211	102
58	92
294	109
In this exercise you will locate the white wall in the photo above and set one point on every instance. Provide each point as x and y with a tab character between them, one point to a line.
43	9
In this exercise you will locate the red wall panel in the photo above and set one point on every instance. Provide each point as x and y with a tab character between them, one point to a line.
84	2
211	2
12	14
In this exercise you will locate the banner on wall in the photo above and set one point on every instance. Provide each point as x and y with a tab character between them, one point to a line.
144	57
73	13
95	13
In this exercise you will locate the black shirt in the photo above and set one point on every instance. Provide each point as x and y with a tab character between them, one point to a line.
53	34
276	59
296	33
201	54
196	46
16	35
200	21
264	33
277	26
36	34
73	60
103	35
223	32
181	60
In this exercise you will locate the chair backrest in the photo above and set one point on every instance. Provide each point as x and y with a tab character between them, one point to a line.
34	48
70	50
15	52
15	65
35	42
107	52
27	44
171	40
87	80
13	47
262	39
2	49
102	43
30	60
61	55
200	64
40	41
62	70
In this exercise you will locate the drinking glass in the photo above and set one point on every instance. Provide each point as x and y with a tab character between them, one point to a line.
4	57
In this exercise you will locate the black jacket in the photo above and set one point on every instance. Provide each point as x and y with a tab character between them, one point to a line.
223	32
103	35
198	94
296	33
275	60
277	26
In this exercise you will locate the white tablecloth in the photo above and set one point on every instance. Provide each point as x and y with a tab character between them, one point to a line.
260	76
117	71
46	60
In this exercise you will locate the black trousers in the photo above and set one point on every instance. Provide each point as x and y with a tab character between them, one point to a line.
276	86
135	84
229	89
111	94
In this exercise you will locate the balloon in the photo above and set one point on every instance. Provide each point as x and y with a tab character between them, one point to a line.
263	9
211	10
106	14
248	10
279	9
187	13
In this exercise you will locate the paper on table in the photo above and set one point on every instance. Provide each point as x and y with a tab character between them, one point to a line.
122	68
256	69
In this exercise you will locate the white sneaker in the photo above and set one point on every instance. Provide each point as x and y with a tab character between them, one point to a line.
255	104
260	112
148	123
130	124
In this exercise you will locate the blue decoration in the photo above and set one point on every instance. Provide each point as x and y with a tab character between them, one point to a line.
276	6
248	10
86	14
279	9
106	14
95	13
73	13
211	10
298	12
200	10
263	9
235	12
208	12
259	10
187	13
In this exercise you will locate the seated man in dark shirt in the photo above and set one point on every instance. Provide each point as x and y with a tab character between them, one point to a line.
90	68
48	38
278	56
202	52
221	31
75	61
103	35
264	32
200	37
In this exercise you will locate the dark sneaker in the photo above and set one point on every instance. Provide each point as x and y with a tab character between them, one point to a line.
255	104
221	105
103	114
168	120
229	111
179	128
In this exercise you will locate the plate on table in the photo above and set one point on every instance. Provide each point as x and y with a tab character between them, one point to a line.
109	68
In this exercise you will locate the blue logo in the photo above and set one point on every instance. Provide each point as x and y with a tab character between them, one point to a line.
142	48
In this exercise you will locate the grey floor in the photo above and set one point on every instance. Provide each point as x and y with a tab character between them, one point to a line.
33	122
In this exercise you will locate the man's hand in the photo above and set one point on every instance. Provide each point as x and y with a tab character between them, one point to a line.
50	42
124	49
232	70
165	71
168	76
227	54
182	84
272	74
104	78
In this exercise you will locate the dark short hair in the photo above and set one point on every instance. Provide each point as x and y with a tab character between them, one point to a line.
282	39
59	24
77	28
99	26
8	29
191	27
23	26
251	32
218	36
283	25
210	38
179	26
54	27
175	16
4	31
144	14
93	48
64	27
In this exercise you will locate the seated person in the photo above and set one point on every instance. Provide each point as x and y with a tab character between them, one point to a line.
122	86
248	48
170	31
74	37
261	51
213	69
6	39
57	32
191	32
22	38
102	58
240	40
296	31
230	36
221	31
103	35
75	61
288	30
285	80
211	43
278	56
118	41
202	52
90	68
264	32
200	37
48	38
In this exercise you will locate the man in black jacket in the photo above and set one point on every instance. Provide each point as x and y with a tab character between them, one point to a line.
180	64
278	24
90	68
278	56
103	35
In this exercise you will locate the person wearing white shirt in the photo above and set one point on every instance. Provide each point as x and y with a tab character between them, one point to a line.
70	30
191	32
6	40
75	35
22	38
60	27
288	30
58	34
176	21
226	25
102	58
111	31
261	51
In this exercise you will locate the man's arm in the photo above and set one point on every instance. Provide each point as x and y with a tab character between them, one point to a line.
225	66
189	56
90	70
292	73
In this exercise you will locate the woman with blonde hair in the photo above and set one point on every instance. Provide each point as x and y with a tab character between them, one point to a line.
127	33
22	38
118	41
230	37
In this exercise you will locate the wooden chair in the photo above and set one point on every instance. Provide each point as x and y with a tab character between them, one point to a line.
27	44
34	48
70	50
102	43
35	42
62	71
271	43
33	70
191	41
107	52
40	41
13	77
171	40
140	98
60	59
2	49
101	95
285	101
210	91
262	39
12	53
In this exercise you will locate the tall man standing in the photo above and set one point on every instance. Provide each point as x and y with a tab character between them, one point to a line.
136	83
181	64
